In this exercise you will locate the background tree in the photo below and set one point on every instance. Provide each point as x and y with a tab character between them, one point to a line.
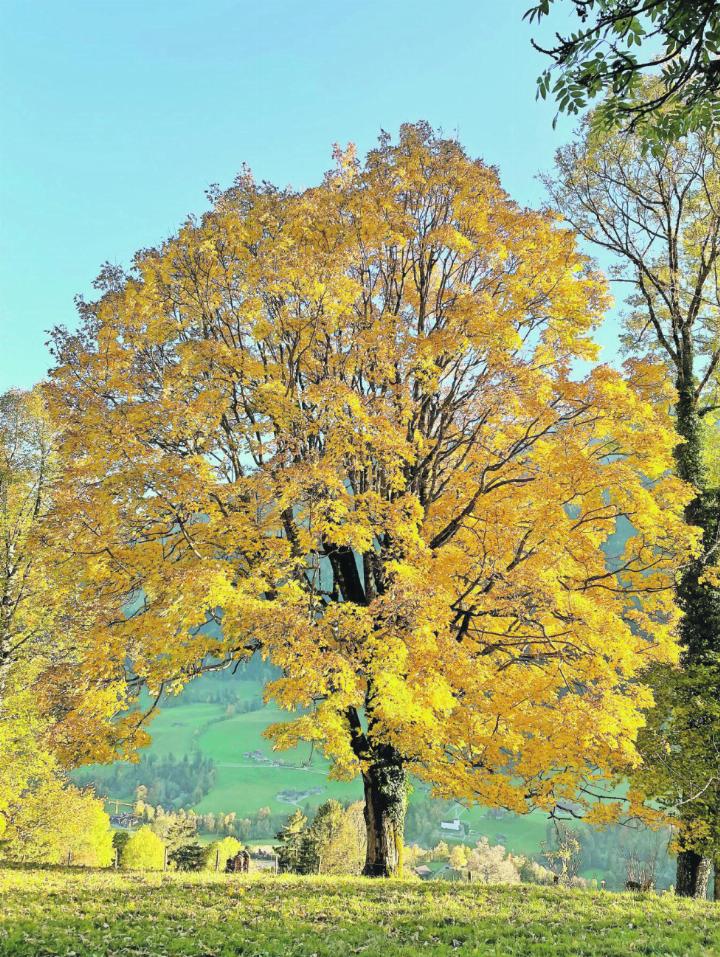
562	853
290	848
53	822
346	853
119	840
42	612
53	712
144	851
26	473
458	857
659	218
333	843
617	44
342	427
174	832
323	840
179	837
492	864
190	856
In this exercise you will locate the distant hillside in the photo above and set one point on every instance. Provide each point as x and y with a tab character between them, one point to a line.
208	753
220	719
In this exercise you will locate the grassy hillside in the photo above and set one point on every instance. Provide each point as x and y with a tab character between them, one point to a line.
97	914
243	785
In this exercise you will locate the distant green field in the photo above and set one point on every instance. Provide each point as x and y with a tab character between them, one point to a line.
177	730
61	913
245	785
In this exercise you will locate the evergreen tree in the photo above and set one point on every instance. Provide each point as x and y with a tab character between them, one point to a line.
188	857
290	850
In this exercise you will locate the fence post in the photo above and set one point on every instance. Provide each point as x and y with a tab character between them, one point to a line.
69	858
165	858
217	859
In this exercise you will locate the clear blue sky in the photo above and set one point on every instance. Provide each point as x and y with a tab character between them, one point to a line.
115	115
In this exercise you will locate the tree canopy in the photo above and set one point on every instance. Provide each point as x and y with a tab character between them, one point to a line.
54	711
344	428
144	851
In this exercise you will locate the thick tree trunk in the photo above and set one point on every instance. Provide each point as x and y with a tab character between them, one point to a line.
698	599
693	875
383	773
385	784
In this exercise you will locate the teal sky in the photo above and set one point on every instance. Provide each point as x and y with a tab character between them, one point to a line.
116	116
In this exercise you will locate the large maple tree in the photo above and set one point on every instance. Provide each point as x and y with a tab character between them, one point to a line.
345	428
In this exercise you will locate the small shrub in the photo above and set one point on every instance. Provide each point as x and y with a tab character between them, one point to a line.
144	851
188	857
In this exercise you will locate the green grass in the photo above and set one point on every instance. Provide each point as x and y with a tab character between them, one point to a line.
174	731
56	913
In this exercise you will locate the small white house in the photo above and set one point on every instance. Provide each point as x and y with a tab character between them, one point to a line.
451	825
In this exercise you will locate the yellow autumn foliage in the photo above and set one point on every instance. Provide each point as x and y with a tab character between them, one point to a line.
344	428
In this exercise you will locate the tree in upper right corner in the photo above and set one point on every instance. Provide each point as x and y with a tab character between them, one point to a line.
617	44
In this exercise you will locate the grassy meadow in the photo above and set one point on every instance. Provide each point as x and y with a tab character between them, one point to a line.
61	913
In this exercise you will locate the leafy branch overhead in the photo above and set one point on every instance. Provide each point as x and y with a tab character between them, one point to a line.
616	45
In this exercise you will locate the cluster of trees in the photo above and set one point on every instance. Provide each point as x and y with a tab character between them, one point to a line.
492	864
166	780
171	842
332	843
615	850
261	824
345	428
